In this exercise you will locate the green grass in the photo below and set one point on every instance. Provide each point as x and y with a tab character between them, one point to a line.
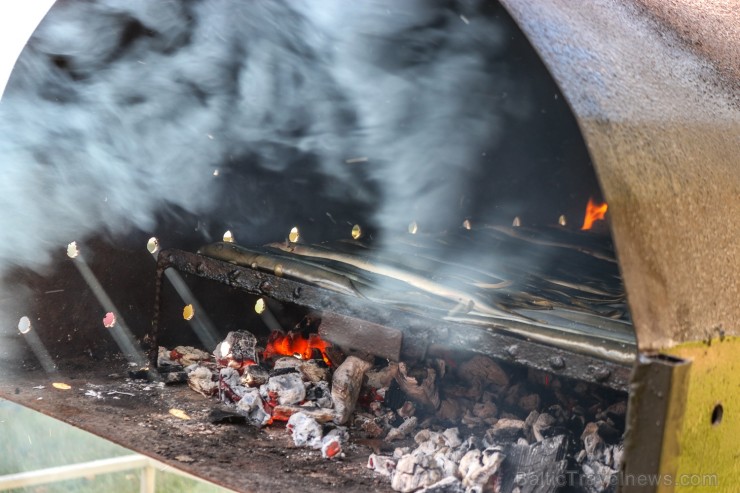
31	441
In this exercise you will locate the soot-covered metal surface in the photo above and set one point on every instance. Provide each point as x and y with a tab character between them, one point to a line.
137	415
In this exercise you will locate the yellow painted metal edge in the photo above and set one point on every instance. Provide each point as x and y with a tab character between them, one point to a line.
709	457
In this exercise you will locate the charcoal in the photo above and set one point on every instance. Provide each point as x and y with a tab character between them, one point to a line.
143	374
368	424
311	370
403	430
394	396
484	371
223	416
592	442
382	377
422	390
609	433
180	356
276	372
529	403
175	377
450	410
542	426
254	376
598	478
505	431
203	381
485	411
229	385
237	350
407	410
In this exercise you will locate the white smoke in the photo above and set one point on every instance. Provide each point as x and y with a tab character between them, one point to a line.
118	110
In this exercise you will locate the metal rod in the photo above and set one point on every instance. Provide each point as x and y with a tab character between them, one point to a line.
73	471
148	480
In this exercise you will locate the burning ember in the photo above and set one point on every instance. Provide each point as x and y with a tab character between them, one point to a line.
297	345
594	212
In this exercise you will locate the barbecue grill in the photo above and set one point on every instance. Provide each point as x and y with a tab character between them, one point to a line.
635	109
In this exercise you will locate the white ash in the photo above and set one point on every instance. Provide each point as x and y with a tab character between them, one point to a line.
288	389
601	462
230	387
253	407
382	464
478	468
320	394
415	470
447	485
305	430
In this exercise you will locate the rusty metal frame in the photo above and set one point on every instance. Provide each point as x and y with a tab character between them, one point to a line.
417	333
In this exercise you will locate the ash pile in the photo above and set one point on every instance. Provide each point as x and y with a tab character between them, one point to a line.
452	423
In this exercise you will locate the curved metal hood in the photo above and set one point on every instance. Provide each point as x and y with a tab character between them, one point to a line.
652	88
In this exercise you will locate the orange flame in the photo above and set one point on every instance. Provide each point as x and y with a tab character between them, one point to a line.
594	212
294	344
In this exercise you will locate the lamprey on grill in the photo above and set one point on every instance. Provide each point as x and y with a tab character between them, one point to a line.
565	291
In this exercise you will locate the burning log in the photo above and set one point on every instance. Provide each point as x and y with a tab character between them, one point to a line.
297	345
346	385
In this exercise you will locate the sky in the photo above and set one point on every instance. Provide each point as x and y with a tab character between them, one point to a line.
17	22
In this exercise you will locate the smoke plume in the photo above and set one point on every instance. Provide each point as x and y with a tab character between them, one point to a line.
119	110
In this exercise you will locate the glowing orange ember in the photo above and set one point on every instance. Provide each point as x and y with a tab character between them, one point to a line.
295	344
594	212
